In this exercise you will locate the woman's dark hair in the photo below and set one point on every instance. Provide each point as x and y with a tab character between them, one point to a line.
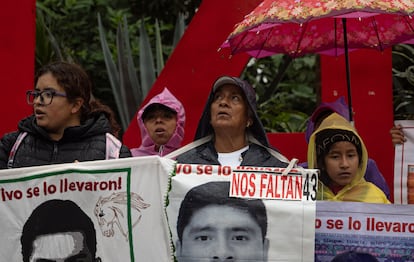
77	84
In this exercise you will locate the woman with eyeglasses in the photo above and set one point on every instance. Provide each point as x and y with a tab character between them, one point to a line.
67	124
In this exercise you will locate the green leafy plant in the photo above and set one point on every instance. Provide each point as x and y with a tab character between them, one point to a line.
123	79
403	81
128	91
47	47
286	90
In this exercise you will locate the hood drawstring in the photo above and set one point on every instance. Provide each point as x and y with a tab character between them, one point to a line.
161	150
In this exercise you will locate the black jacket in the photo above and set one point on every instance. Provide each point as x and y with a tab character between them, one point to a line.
82	143
206	154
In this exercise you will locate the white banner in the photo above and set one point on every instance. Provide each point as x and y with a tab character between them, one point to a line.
384	231
270	217
404	166
118	202
246	214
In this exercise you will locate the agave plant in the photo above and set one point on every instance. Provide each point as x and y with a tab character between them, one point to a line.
47	47
128	91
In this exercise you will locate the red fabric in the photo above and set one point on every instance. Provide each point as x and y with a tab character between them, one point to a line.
17	47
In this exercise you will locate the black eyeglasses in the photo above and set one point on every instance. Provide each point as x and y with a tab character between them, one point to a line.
46	96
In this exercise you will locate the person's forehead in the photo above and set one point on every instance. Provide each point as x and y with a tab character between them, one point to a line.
58	245
342	147
161	110
157	109
229	88
47	80
212	215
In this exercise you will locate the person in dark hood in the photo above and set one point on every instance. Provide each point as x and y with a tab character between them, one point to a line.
161	122
339	106
67	124
230	131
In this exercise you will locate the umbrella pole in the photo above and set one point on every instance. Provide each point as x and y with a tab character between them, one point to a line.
348	74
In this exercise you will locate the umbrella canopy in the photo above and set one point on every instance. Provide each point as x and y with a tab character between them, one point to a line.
333	27
298	27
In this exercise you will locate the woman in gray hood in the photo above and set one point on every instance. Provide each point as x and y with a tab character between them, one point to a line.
230	132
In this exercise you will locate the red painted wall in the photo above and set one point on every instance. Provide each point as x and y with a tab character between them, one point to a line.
17	47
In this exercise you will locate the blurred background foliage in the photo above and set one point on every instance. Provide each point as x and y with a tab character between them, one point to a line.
288	90
403	81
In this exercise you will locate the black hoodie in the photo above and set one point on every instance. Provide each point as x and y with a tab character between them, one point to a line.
86	142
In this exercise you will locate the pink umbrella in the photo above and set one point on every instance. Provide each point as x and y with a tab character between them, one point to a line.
332	27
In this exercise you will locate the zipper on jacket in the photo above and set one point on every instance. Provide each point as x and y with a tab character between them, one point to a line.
55	151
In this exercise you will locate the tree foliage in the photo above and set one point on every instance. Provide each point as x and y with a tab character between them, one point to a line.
73	24
286	90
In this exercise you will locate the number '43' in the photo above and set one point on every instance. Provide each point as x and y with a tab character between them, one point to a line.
310	187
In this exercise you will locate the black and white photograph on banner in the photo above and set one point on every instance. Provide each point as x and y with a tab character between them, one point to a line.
356	231
58	230
106	211
246	214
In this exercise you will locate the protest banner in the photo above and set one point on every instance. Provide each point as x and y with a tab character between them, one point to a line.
404	165
134	218
117	203
381	230
216	212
